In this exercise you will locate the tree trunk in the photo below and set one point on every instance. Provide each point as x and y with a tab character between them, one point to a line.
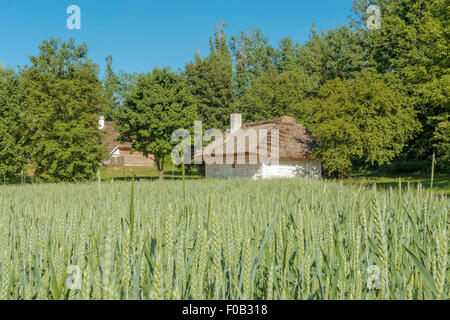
160	166
344	174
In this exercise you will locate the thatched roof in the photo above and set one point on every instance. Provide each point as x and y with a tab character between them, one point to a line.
111	138
295	141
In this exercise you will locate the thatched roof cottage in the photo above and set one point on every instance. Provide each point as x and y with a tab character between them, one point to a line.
277	148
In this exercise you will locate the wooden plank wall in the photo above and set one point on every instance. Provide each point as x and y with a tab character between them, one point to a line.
285	169
136	159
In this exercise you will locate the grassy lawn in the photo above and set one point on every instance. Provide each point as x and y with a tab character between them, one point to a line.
441	182
145	173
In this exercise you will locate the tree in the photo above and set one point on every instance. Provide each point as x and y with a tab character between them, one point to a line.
363	119
287	55
116	86
159	104
14	131
64	97
283	78
127	81
442	143
338	53
211	82
111	89
274	95
253	56
413	43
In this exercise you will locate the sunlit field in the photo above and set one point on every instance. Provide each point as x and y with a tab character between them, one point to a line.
230	239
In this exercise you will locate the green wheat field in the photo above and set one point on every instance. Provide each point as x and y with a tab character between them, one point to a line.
230	239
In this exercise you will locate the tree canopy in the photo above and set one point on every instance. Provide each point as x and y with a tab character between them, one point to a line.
159	104
211	82
413	43
360	119
371	96
64	97
274	95
14	128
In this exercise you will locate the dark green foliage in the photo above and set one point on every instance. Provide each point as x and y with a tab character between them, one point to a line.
414	43
339	53
127	81
111	90
274	82
159	104
405	166
211	82
253	56
274	95
115	87
14	128
64	98
442	143
287	55
363	118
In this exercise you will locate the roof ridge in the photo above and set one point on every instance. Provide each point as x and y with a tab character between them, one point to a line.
282	120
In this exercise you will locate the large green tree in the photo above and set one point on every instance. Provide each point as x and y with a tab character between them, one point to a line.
364	119
64	99
116	86
14	128
442	142
211	82
253	56
338	53
159	104
413	43
111	87
274	95
127	81
287	55
273	82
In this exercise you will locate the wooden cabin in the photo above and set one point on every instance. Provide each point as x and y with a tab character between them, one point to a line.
286	153
120	154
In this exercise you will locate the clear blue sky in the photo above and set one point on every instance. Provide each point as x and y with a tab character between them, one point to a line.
143	34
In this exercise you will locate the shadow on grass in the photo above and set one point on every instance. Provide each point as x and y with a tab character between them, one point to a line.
424	182
441	183
168	176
